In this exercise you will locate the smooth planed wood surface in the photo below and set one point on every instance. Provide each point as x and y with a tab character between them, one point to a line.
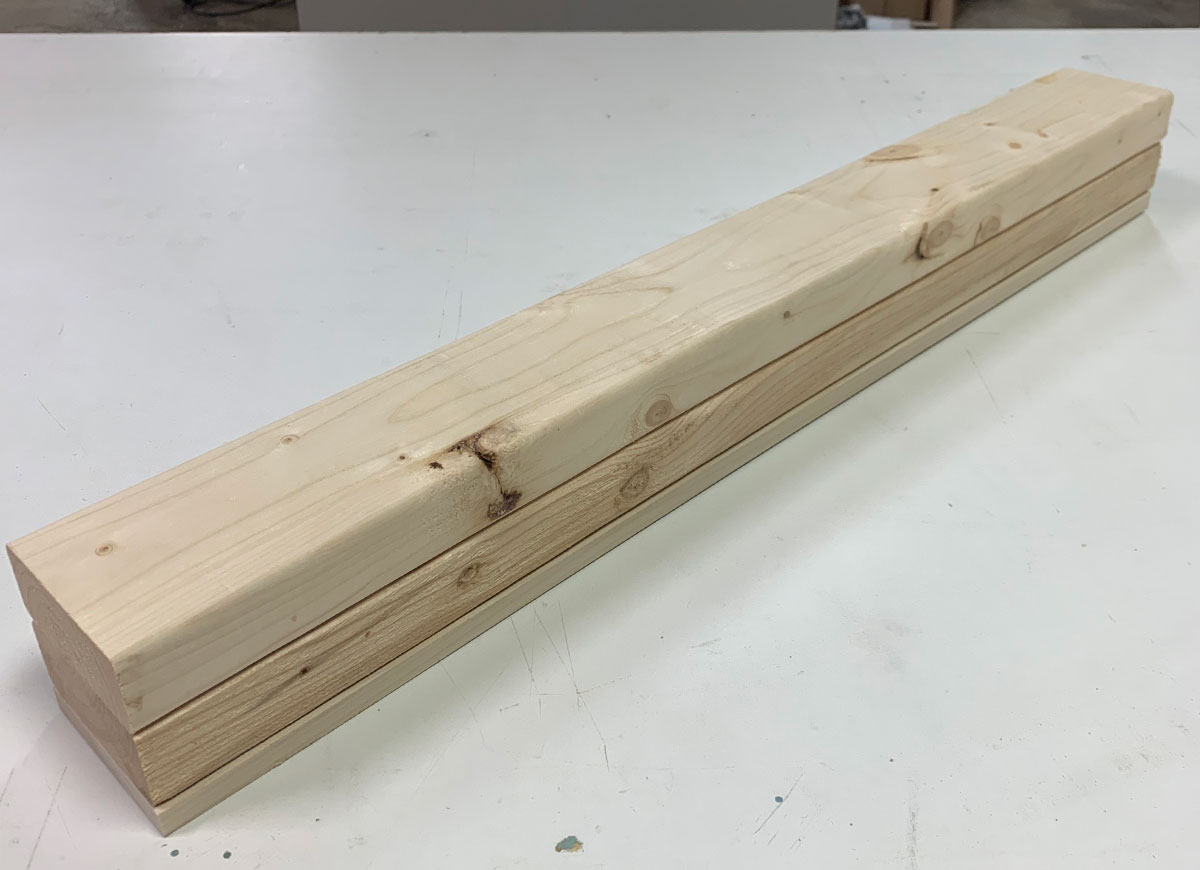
171	814
224	722
182	581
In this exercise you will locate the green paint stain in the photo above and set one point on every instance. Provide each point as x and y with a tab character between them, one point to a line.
227	855
569	844
174	853
778	799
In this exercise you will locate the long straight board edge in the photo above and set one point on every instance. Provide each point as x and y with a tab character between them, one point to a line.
182	581
196	799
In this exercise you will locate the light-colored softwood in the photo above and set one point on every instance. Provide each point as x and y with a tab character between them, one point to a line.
199	797
224	722
172	586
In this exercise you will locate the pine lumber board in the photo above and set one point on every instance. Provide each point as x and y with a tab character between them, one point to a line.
171	814
169	588
217	726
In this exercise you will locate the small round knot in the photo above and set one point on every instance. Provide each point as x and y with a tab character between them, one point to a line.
468	574
105	548
659	412
636	483
988	227
932	239
290	438
940	234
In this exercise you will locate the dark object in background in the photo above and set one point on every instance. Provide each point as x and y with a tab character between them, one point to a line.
851	17
223	8
566	15
922	13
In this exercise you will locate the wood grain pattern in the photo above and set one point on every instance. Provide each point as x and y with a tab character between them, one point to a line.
180	582
173	813
224	722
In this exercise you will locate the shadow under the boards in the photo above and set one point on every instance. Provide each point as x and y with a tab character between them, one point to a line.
609	595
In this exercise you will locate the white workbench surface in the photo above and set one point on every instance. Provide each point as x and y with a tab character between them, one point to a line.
955	623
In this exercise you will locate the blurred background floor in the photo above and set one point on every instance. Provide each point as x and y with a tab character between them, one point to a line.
1077	13
172	15
105	16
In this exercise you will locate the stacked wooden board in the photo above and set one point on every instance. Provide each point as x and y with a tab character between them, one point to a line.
203	626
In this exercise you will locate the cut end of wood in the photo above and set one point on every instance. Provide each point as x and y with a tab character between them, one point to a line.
162	821
79	669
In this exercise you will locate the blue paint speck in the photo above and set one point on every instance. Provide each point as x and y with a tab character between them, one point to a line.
778	799
569	844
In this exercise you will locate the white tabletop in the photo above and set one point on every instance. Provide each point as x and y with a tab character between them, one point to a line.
955	623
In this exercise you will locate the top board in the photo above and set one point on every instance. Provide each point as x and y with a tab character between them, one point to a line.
170	587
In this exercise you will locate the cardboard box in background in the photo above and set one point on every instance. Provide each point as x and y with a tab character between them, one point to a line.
937	12
916	10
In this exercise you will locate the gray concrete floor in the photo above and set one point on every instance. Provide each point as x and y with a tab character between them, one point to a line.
1078	13
166	15
103	16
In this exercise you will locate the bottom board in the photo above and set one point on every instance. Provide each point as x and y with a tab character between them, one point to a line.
171	814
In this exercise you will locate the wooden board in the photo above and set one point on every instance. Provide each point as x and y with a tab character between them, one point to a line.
171	814
224	722
163	591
